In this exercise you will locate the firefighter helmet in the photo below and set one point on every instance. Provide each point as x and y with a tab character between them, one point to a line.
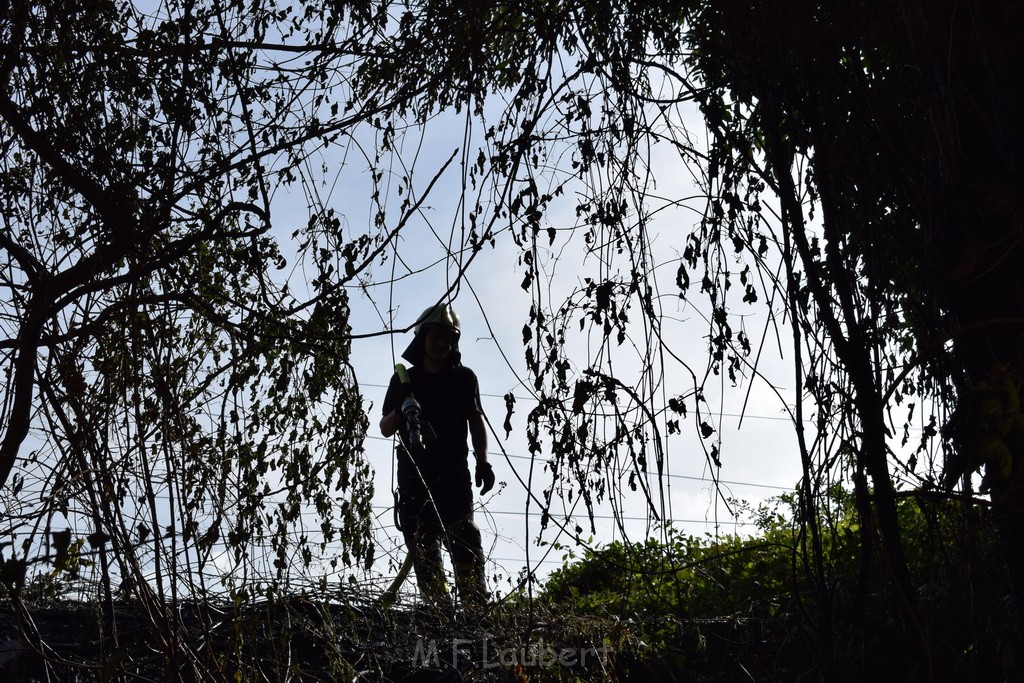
440	315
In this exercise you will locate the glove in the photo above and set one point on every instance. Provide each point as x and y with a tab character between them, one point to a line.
403	392
484	476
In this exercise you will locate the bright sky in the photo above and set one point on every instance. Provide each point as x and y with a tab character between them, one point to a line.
760	460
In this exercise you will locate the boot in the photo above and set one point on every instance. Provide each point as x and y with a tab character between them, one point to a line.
434	591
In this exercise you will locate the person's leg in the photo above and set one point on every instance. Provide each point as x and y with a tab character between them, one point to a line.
422	531
466	547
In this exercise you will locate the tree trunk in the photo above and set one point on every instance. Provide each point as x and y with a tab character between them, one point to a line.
971	58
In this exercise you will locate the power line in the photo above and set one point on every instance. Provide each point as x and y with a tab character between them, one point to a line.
688	477
520	513
744	416
524	398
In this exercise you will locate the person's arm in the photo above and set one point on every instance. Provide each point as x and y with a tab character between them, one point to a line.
478	436
484	473
392	419
389	424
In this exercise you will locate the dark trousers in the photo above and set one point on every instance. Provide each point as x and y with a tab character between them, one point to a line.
444	520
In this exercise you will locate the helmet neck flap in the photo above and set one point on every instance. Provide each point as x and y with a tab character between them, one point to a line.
440	315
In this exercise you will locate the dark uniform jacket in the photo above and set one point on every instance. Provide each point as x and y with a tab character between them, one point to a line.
441	470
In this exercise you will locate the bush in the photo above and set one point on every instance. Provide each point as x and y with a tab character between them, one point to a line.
763	606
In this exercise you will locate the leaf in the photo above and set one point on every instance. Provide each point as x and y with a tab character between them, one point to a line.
510	402
97	539
61	546
581	394
677	405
